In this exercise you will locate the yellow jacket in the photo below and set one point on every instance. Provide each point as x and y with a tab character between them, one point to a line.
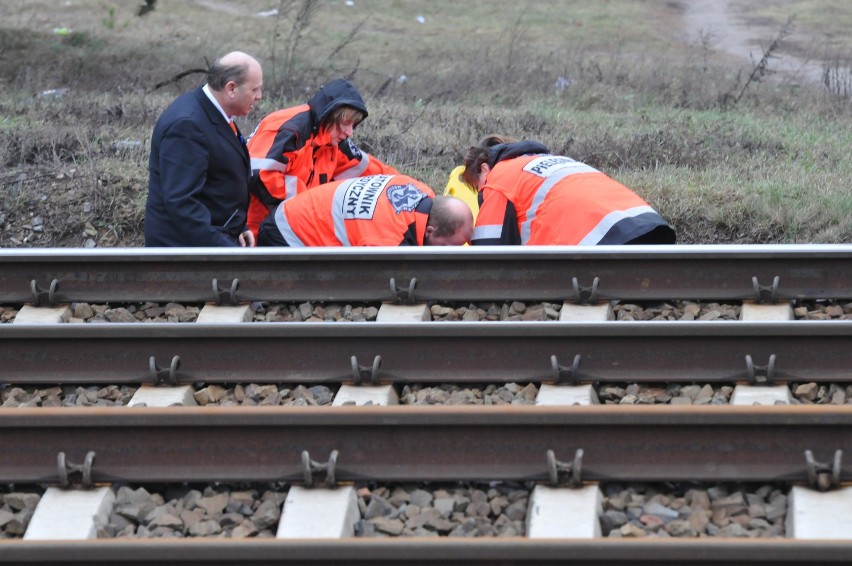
461	190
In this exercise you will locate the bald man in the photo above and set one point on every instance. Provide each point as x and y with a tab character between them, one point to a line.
199	167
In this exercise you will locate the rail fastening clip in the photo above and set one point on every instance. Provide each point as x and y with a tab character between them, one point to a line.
405	296
310	467
361	374
84	470
39	294
585	295
821	475
226	297
763	293
164	376
561	372
760	375
555	468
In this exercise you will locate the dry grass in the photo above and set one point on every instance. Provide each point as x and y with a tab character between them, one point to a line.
617	84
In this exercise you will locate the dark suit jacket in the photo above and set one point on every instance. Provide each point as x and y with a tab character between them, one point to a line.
198	177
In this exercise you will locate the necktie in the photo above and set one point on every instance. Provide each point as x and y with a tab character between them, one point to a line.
236	133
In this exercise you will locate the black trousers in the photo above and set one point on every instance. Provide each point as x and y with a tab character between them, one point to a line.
659	235
269	235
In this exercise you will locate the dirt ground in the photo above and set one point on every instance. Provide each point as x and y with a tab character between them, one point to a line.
728	25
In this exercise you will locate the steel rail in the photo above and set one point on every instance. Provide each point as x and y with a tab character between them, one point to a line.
512	551
508	443
424	352
698	272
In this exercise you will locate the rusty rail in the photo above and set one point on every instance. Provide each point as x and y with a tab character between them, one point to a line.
423	352
515	551
703	272
717	443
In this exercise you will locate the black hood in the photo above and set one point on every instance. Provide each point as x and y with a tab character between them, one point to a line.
332	96
503	151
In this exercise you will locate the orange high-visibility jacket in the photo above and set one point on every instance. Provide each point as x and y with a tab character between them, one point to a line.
378	210
290	154
532	197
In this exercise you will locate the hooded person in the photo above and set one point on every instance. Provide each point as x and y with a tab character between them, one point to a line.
297	148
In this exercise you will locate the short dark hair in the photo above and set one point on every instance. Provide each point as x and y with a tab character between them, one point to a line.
219	75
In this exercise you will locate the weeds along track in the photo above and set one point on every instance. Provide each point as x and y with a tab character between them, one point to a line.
665	387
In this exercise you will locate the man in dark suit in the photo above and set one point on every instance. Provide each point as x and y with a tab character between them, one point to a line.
199	166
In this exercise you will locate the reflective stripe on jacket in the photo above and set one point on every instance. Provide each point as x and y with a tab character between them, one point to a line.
377	210
544	199
289	153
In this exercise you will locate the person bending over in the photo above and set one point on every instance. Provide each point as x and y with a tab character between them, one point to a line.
376	210
529	196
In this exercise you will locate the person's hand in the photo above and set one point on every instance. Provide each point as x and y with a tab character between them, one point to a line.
247	239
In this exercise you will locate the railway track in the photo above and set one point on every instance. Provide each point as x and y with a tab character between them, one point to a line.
700	552
387	443
428	352
799	444
626	273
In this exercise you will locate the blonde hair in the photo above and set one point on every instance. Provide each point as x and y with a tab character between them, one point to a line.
343	114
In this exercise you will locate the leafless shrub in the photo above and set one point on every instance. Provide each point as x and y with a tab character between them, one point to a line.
761	68
301	72
301	20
